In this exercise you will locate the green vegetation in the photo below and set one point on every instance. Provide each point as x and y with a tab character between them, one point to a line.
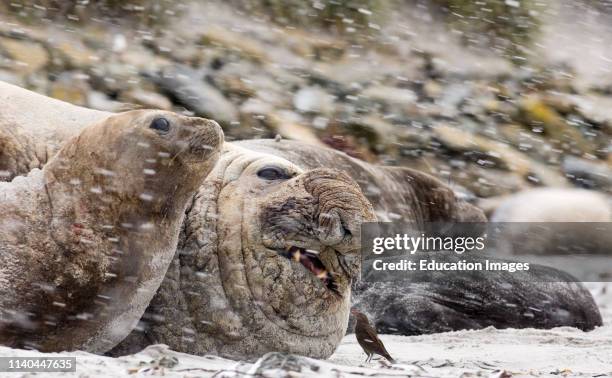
341	15
509	26
146	12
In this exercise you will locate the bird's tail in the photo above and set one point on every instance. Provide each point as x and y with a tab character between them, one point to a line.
389	358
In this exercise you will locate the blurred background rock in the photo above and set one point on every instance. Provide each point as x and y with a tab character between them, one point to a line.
493	96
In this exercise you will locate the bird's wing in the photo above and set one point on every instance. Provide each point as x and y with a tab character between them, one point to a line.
376	344
371	337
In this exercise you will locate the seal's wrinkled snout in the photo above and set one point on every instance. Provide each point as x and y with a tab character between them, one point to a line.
319	226
342	208
327	209
199	136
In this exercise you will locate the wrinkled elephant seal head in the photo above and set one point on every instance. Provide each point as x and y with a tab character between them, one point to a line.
104	216
266	261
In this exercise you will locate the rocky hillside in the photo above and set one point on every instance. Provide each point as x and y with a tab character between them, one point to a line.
406	92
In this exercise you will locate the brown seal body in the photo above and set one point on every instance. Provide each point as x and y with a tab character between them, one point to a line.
86	240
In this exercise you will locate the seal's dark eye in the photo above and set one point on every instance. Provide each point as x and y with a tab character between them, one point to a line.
273	173
160	125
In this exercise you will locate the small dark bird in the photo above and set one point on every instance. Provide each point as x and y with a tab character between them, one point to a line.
368	338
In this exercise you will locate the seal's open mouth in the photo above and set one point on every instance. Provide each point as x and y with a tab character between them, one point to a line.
310	260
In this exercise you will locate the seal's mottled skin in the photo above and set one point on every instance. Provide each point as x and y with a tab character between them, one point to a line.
85	241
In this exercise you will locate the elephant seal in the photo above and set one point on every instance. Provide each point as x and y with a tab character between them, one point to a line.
265	262
85	242
554	205
569	222
233	289
478	300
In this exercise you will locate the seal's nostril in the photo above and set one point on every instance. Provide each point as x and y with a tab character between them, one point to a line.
203	135
347	232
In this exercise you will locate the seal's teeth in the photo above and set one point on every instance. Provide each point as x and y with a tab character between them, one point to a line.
309	259
297	256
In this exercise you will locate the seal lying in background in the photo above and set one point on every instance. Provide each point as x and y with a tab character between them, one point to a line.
268	247
554	205
579	223
478	300
85	242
